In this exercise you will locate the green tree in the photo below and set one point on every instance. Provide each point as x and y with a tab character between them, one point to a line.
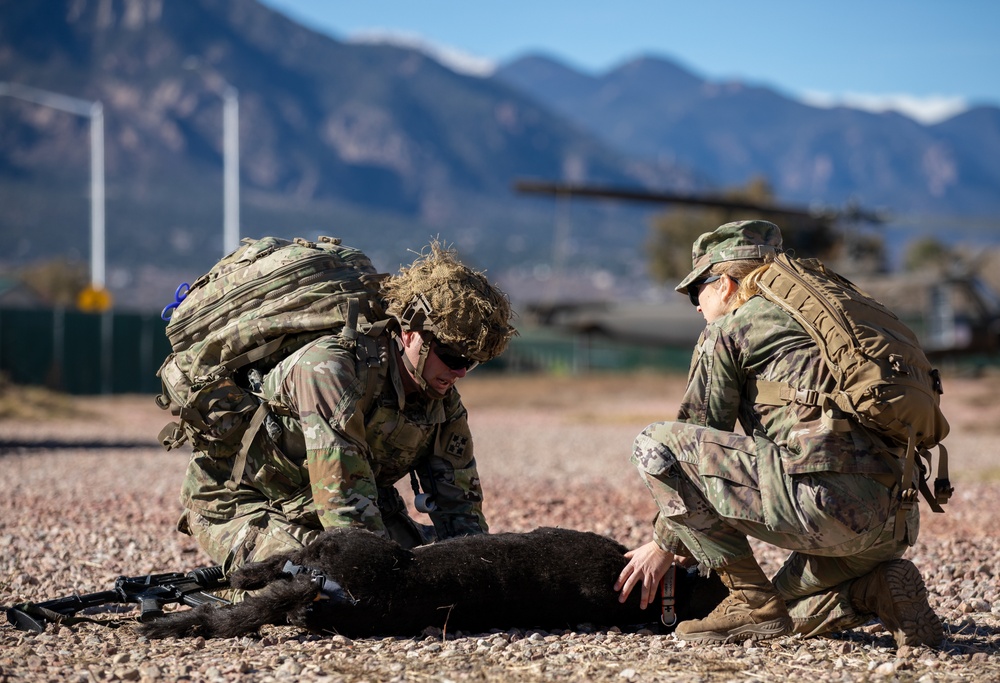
926	252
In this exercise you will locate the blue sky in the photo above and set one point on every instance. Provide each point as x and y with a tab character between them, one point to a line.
924	57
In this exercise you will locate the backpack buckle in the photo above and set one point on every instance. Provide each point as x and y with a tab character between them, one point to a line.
943	490
809	397
806	397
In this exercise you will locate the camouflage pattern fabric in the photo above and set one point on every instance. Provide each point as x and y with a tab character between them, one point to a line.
731	242
331	460
788	479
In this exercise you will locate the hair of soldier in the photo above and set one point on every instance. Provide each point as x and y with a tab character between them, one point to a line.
745	271
486	307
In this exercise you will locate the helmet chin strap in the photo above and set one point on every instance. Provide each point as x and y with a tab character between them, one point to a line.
417	371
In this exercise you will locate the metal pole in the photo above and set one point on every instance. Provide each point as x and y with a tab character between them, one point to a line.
107	352
97	247
231	169
95	112
57	377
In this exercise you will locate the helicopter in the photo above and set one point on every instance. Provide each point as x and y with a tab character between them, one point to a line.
953	310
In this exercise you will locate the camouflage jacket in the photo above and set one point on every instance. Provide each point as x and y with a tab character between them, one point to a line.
335	453
759	340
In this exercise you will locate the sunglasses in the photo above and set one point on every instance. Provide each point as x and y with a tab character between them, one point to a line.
694	287
451	358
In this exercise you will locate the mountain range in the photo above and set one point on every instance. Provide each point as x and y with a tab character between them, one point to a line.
385	147
652	108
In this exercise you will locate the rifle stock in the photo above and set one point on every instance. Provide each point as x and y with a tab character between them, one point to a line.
150	592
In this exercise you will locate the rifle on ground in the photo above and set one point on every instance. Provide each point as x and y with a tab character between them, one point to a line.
150	592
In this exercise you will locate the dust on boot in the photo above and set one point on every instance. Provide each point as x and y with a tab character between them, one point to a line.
753	610
894	592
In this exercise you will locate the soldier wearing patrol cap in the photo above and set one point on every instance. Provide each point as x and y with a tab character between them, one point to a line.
791	479
354	422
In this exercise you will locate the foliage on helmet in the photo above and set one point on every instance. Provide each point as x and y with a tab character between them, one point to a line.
439	294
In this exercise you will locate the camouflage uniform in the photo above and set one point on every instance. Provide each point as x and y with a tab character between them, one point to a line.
788	479
336	462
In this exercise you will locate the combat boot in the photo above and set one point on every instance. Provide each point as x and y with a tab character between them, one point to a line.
752	610
894	592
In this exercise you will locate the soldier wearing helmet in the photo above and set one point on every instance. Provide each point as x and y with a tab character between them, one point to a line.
357	416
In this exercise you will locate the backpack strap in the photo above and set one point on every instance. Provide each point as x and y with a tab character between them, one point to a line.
350	329
942	483
908	492
240	465
771	393
254	354
373	352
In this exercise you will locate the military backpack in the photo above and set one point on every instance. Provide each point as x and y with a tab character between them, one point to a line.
884	380
254	308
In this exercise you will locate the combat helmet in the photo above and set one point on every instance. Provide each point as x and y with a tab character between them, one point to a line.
457	305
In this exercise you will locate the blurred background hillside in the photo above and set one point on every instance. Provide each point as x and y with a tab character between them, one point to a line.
383	145
387	142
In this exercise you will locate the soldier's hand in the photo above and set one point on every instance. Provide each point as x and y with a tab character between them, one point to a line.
646	566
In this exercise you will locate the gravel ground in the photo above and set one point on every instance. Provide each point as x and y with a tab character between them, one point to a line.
85	496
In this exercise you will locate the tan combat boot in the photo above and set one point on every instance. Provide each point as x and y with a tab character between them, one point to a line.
894	592
752	610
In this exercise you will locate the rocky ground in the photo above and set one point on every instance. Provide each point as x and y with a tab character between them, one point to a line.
85	496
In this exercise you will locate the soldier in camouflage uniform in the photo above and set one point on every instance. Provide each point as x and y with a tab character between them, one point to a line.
789	479
349	433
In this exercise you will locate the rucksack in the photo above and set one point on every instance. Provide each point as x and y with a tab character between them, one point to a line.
884	380
255	307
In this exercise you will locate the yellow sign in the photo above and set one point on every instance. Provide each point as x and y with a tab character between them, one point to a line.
94	300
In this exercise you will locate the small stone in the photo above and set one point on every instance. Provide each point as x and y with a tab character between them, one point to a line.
843	647
152	672
885	669
290	668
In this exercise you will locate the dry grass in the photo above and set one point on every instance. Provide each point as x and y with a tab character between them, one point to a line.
36	403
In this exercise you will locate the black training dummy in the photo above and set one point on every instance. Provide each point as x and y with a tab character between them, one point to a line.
546	579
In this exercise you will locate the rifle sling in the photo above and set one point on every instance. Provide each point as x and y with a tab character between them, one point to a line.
34	610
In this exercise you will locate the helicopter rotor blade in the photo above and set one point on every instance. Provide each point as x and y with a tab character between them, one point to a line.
852	213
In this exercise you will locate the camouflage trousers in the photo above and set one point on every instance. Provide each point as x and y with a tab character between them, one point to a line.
715	489
259	530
